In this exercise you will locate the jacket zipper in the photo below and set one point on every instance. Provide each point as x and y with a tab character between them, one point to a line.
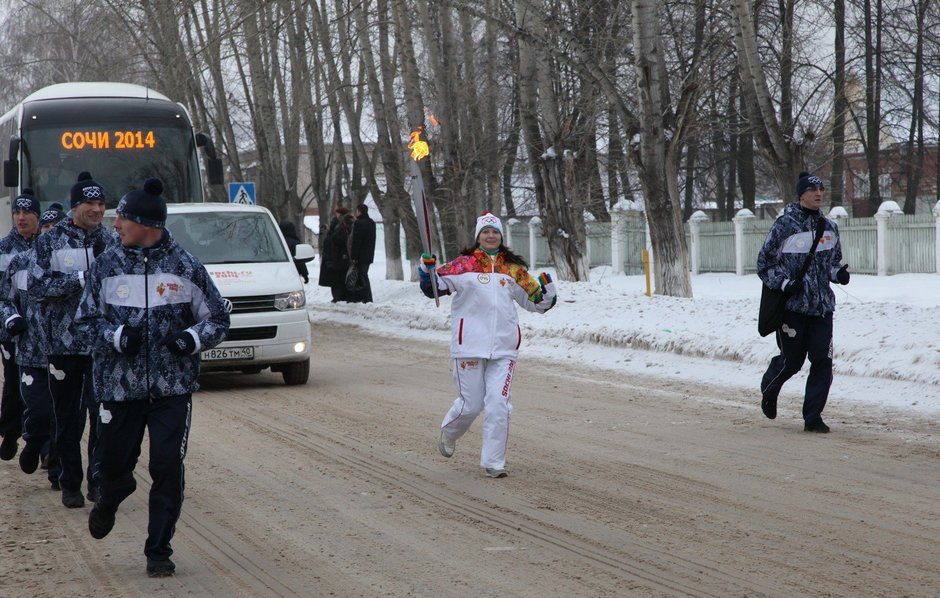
147	322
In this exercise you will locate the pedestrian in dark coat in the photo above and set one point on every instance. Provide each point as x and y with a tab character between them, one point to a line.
362	251
332	267
290	235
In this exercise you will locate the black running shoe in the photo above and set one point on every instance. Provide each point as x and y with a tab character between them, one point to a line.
100	522
54	485
73	499
8	447
819	427
29	458
164	568
92	494
769	407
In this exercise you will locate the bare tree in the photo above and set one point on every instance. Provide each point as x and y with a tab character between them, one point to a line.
657	158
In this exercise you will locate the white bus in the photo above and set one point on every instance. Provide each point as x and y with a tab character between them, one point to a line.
121	133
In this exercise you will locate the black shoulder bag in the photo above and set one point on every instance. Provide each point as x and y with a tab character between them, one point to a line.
773	301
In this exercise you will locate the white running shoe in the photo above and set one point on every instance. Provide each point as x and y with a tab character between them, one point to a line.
446	446
495	472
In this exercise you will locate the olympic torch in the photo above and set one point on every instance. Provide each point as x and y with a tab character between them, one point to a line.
419	151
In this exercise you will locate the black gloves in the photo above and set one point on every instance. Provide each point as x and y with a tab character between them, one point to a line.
181	343
130	341
16	325
793	287
842	276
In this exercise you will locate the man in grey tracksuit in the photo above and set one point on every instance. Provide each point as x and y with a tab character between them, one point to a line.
25	228
149	309
807	319
63	257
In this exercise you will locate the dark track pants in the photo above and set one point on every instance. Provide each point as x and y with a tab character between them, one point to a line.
799	337
38	426
120	433
11	404
73	401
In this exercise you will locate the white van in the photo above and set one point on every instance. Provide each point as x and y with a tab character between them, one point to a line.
245	253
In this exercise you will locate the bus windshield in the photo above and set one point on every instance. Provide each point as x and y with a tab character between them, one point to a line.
120	141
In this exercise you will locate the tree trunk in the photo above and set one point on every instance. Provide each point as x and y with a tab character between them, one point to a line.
659	180
414	108
562	227
783	154
836	182
873	103
388	134
914	150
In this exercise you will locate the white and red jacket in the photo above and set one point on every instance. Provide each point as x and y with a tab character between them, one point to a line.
484	322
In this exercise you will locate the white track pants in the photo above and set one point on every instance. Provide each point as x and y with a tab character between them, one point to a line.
482	385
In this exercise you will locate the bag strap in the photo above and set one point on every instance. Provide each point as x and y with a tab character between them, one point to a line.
820	228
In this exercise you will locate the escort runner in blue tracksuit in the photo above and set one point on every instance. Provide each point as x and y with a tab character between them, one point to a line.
150	307
20	239
23	320
807	319
64	255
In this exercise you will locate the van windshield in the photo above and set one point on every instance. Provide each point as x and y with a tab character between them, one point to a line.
233	238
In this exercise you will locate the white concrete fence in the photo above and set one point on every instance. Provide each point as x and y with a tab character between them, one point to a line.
889	243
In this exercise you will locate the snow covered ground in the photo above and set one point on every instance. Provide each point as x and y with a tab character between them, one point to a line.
886	340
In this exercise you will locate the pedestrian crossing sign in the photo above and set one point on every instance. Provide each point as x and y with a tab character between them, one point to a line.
243	193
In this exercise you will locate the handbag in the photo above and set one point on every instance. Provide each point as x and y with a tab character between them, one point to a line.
353	280
773	301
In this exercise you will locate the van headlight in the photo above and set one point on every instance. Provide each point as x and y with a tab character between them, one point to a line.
288	301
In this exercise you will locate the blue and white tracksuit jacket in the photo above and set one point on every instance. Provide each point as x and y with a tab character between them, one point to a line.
31	344
64	255
160	291
11	245
785	250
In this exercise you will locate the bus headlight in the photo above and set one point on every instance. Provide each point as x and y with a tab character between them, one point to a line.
288	301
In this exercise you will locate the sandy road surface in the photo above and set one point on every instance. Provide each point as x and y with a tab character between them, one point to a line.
619	487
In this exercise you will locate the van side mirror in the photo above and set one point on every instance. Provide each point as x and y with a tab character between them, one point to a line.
304	252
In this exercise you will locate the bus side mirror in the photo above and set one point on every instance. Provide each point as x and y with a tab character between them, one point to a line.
213	164
214	169
11	166
11	173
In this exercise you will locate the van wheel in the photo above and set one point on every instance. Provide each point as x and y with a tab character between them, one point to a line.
296	373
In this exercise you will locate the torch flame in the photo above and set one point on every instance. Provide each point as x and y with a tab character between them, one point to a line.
419	147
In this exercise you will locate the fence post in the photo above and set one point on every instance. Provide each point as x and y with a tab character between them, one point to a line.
696	250
587	244
507	235
936	213
885	210
739	219
618	237
533	240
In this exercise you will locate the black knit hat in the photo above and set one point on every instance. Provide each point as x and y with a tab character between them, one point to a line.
85	189
806	182
26	201
145	206
53	215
